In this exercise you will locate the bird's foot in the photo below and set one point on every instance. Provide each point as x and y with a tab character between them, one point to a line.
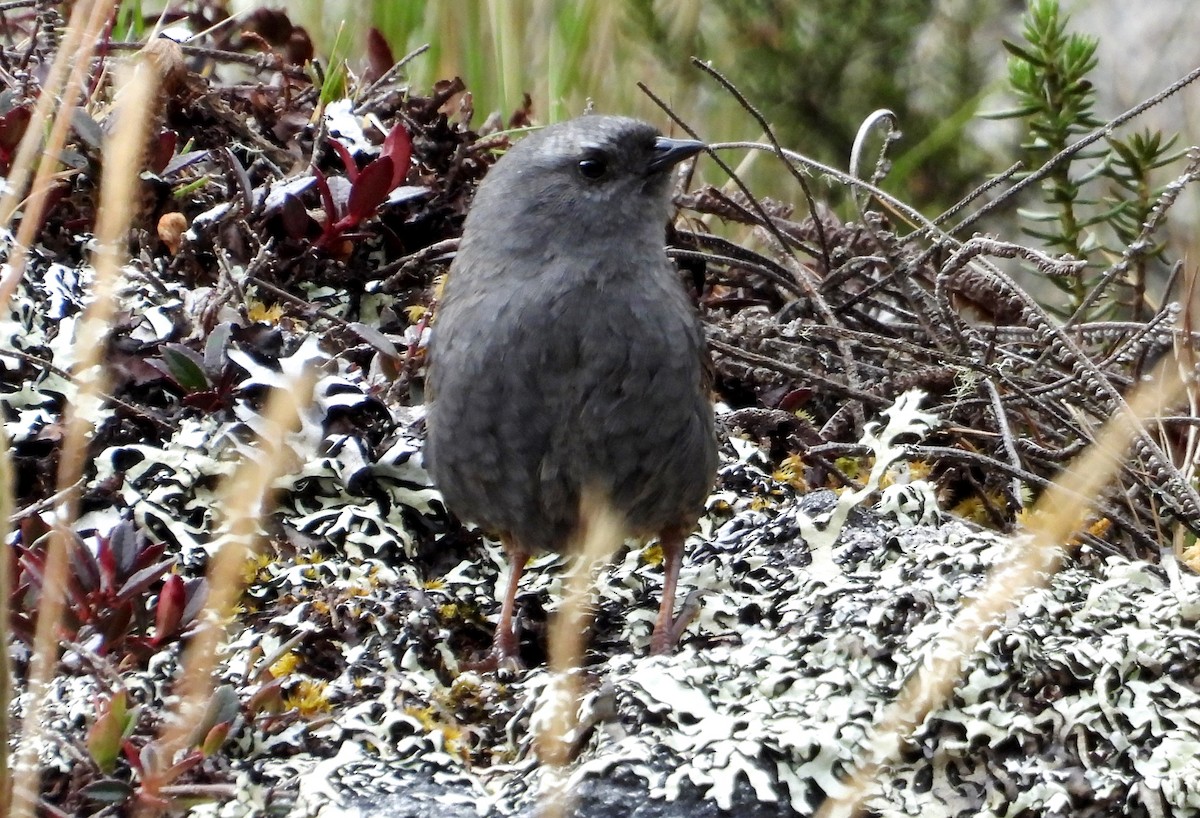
493	662
664	639
504	658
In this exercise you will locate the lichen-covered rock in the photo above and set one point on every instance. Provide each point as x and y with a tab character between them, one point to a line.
367	600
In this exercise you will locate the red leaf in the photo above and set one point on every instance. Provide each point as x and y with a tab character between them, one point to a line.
132	755
347	159
162	151
192	759
108	566
294	218
329	232
398	147
12	127
196	594
169	611
208	402
143	579
379	56
368	192
128	546
84	568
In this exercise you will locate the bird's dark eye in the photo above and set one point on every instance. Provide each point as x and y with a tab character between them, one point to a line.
593	167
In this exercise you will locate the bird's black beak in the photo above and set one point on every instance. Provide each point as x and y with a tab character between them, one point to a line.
669	152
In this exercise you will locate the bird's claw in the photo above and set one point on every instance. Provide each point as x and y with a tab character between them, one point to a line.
506	665
664	641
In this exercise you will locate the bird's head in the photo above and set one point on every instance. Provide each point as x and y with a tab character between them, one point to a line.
590	177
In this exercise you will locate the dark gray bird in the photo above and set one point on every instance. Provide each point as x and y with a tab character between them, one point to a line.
566	356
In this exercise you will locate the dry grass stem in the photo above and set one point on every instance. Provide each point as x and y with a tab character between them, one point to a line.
79	41
6	670
243	500
1058	515
604	531
118	192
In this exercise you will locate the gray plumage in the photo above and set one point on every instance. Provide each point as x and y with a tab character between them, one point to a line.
565	353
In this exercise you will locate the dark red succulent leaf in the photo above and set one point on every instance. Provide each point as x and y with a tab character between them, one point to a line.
13	125
112	592
326	200
127	545
368	192
150	553
369	187
397	146
33	528
267	698
21	626
379	56
32	565
347	159
168	613
108	562
795	399
294	218
142	579
85	571
195	595
193	759
162	151
113	624
132	754
208	401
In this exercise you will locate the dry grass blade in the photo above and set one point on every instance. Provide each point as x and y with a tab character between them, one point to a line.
1059	514
79	42
604	533
6	670
123	154
244	500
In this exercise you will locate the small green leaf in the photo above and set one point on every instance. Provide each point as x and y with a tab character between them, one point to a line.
1013	113
334	86
1022	53
131	22
186	367
215	738
109	730
107	791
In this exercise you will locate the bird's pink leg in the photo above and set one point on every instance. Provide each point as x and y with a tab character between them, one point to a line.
665	632
505	644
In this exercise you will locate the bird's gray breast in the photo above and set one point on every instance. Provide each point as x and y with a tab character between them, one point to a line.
541	391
